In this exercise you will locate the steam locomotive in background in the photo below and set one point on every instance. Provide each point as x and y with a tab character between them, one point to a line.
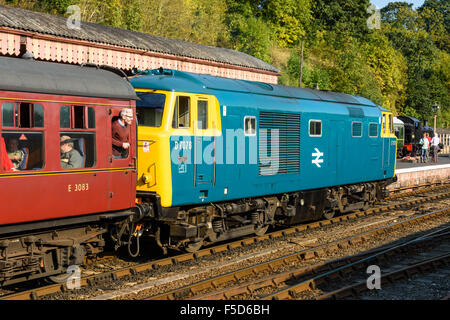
409	131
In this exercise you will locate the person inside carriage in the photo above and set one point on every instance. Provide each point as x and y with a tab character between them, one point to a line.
7	164
70	157
121	134
16	155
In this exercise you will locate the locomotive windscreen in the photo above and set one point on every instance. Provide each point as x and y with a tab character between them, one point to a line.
150	108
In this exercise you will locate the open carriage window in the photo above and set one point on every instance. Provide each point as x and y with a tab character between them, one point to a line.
22	115
77	117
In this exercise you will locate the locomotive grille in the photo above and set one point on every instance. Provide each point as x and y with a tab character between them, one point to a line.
279	143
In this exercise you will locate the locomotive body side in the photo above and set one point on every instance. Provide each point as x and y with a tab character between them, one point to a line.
268	153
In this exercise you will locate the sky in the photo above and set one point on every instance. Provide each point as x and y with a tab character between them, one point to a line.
382	3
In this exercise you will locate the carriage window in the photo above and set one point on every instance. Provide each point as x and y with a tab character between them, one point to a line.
24	144
22	115
8	114
384	124
250	126
202	114
181	115
91	118
64	117
373	130
77	150
315	128
356	129
76	117
25	149
38	115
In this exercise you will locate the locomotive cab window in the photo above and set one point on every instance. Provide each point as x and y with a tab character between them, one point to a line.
77	148
391	124
150	109
357	129
181	114
22	124
202	114
250	126
315	128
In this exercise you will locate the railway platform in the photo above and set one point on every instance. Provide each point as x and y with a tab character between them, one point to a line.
409	174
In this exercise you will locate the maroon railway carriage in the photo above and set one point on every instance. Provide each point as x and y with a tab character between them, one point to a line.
51	217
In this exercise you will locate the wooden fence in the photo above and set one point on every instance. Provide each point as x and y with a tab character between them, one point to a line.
445	140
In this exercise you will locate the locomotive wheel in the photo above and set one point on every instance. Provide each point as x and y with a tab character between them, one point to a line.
193	246
261	230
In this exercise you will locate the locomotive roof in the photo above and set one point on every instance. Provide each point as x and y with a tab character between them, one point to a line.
27	75
173	80
410	120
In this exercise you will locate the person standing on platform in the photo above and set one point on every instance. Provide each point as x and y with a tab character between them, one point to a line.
429	146
425	144
435	147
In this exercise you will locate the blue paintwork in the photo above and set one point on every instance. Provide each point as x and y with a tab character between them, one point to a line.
346	159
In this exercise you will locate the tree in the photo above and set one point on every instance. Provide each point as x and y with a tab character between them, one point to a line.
348	17
289	20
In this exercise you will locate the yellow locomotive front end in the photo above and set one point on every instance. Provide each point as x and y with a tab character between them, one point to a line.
154	144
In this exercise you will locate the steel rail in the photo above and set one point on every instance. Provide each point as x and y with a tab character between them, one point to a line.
275	280
403	273
311	283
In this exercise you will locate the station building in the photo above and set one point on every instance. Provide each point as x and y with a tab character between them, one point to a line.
51	38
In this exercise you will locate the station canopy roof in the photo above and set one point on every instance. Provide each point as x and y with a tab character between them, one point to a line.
42	23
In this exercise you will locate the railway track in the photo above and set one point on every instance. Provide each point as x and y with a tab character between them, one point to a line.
269	274
435	258
93	280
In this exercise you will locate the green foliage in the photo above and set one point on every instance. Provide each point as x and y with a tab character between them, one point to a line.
348	17
289	20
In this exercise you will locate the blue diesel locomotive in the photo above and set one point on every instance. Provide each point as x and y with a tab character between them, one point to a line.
220	158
